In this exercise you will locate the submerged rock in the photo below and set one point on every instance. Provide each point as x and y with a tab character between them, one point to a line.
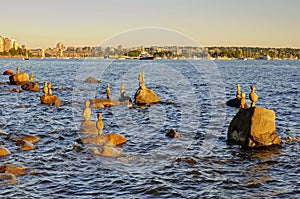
89	127
13	169
23	137
107	151
8	179
92	80
25	145
31	86
19	79
94	139
253	127
4	151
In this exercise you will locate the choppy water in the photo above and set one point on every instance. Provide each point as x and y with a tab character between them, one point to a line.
200	164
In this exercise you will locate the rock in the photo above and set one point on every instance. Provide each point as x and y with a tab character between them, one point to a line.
145	96
7	178
25	145
253	127
115	138
89	127
19	79
31	86
51	100
172	133
111	151
92	80
13	169
15	90
8	72
98	140
101	103
23	137
4	151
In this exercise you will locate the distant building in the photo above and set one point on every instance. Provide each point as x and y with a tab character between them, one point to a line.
60	46
1	44
7	44
16	45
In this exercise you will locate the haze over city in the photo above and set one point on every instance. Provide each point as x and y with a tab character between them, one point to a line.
267	23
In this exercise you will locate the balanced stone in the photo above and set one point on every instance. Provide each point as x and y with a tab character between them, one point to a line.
253	127
19	79
31	86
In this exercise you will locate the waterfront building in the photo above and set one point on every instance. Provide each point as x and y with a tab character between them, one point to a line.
1	44
7	44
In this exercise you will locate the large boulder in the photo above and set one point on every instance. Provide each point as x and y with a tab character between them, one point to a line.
253	127
51	100
4	151
145	96
8	72
31	86
19	79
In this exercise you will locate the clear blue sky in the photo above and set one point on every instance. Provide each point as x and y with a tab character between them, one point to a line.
264	23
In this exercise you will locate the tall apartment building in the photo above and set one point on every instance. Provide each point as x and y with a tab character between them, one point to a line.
7	44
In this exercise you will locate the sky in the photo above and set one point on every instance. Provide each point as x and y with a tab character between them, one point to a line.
253	23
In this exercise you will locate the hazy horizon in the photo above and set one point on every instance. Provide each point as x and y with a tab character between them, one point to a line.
257	23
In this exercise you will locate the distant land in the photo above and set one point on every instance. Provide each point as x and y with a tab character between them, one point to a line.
11	49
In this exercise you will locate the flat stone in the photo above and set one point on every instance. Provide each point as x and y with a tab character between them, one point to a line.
13	169
23	137
25	145
101	103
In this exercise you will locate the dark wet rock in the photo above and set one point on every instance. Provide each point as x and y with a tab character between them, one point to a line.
253	127
31	86
234	103
172	133
4	151
19	79
51	100
92	80
8	72
145	96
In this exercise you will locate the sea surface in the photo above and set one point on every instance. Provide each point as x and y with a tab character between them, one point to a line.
200	164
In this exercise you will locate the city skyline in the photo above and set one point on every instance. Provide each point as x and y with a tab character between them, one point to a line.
96	23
